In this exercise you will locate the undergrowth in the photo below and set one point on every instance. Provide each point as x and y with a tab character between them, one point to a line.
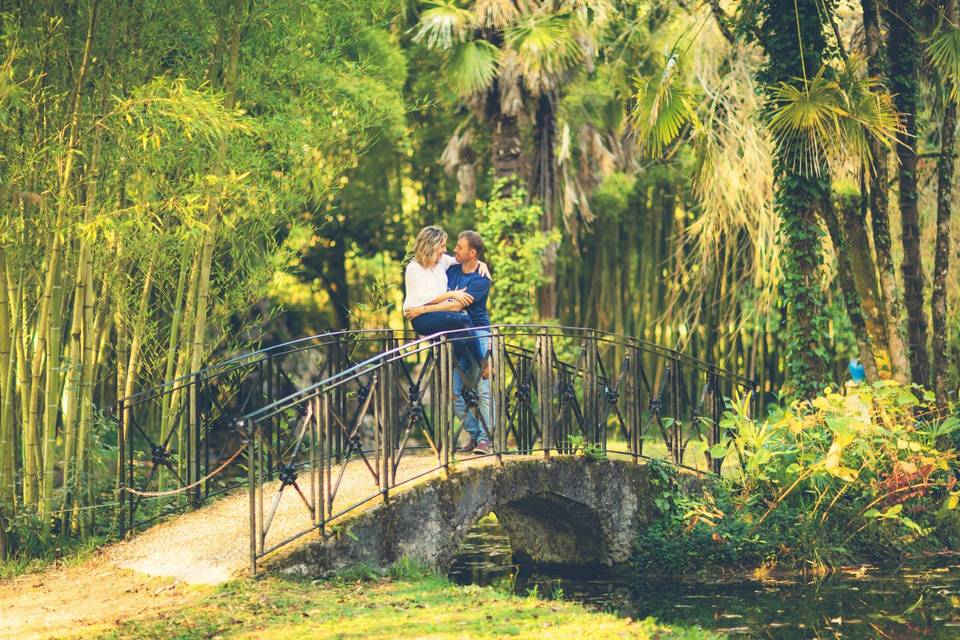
867	474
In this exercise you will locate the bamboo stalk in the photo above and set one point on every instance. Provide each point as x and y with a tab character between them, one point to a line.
52	392
7	460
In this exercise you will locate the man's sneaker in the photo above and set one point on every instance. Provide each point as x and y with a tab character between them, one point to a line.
482	448
469	448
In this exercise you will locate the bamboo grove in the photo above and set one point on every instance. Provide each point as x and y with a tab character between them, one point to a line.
153	154
765	183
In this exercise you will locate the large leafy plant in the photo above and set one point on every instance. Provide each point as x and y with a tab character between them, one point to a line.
869	456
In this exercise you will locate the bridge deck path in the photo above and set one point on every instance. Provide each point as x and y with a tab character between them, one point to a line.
167	565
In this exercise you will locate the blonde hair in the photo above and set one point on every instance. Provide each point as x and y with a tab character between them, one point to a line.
428	241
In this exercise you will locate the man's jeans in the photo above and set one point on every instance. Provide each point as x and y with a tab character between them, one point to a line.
472	371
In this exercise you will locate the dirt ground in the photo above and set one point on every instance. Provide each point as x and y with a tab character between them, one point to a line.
168	565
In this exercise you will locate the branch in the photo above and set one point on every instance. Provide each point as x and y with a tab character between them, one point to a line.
723	21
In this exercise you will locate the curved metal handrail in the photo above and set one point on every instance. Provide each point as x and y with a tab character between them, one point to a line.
424	343
251	357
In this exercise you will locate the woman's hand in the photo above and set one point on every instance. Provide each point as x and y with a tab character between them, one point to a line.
461	296
412	312
483	270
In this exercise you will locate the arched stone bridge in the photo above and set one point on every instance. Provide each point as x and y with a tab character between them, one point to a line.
568	510
334	424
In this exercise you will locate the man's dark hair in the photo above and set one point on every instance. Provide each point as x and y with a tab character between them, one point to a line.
474	241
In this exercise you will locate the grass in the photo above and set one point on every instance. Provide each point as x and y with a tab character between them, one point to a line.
72	552
408	604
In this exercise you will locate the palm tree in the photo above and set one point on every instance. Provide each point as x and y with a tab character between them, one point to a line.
904	54
508	60
944	54
819	112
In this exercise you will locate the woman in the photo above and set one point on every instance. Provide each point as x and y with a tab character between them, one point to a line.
429	306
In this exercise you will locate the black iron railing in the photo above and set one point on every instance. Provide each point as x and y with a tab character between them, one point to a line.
390	418
179	442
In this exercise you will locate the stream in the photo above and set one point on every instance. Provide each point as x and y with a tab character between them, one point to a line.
920	599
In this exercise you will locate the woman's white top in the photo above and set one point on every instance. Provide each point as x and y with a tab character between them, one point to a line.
423	285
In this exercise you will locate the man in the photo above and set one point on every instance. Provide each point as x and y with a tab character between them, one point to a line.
465	276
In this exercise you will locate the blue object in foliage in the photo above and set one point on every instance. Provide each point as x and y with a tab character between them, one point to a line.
855	368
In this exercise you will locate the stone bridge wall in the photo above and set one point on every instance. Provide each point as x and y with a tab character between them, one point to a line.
567	510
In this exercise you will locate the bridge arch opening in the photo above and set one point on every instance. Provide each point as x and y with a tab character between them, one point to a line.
549	529
544	529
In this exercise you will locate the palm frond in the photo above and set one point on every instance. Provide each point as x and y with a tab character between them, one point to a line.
944	54
511	75
663	107
472	67
498	14
869	111
443	24
546	46
821	122
804	120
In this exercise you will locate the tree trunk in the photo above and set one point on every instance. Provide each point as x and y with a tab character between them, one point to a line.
879	210
904	50
505	144
848	288
543	187
857	247
792	36
941	261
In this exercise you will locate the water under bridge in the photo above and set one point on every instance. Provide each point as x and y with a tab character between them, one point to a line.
342	448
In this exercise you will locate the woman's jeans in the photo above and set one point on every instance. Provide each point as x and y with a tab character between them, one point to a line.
465	343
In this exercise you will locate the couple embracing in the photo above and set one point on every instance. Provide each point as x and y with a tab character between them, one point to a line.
447	293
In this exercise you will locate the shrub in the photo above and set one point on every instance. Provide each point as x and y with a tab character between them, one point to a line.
866	473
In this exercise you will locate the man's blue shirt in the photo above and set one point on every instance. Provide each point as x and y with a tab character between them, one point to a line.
477	286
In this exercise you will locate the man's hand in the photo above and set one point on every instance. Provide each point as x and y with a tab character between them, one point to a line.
412	312
461	296
483	270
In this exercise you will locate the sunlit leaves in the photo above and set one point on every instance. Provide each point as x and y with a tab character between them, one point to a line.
944	53
546	47
443	24
663	108
865	446
473	66
498	13
822	119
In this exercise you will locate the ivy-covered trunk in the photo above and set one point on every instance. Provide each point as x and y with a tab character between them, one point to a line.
848	288
791	33
879	209
941	260
853	219
904	52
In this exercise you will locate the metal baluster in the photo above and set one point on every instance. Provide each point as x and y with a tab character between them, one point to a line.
193	442
497	404
590	390
544	390
314	465
252	493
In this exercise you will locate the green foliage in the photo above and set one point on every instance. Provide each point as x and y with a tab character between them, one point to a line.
583	449
515	248
943	50
663	108
847	477
407	569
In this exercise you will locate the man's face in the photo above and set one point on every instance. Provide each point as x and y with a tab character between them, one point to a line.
462	252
